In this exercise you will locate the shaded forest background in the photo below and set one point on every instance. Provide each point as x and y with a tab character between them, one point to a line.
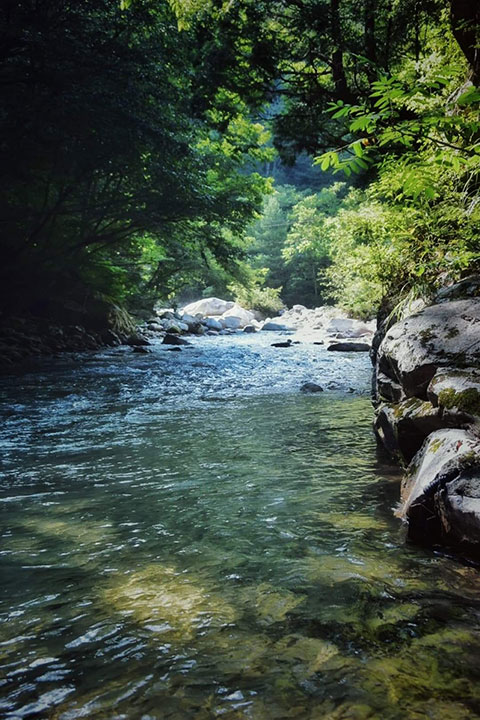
276	152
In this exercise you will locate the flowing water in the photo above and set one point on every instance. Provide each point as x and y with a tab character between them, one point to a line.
186	535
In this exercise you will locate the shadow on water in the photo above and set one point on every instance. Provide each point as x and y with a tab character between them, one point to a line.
169	556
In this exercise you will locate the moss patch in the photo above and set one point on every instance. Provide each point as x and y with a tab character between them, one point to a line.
452	332
425	336
467	400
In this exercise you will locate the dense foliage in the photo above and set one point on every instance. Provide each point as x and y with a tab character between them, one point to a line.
135	154
113	178
410	133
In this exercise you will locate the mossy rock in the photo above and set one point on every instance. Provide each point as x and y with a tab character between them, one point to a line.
456	389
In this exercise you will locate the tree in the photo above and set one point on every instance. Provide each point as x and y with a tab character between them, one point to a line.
104	149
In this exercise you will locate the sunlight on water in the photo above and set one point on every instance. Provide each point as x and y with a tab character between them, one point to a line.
176	550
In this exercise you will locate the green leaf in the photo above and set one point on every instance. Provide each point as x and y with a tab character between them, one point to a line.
470	96
358	148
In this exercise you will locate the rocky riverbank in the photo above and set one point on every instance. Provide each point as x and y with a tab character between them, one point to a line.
73	328
427	398
325	325
96	324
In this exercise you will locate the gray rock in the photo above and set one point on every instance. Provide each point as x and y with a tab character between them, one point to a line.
141	350
110	338
213	324
173	327
349	347
311	387
468	287
458	390
286	344
137	340
441	492
231	322
442	335
275	327
166	314
388	389
249	329
174	340
404	427
155	326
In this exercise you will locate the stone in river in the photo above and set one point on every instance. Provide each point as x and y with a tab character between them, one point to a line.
285	344
275	327
137	340
213	324
311	387
174	340
349	347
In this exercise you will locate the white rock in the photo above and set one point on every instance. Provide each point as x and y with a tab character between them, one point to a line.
208	307
347	327
244	316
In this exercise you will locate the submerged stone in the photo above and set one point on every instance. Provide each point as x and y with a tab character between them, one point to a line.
311	387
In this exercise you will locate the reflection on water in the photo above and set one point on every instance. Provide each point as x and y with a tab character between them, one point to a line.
169	555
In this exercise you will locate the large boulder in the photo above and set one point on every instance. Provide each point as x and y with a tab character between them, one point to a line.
348	327
457	390
468	287
403	427
441	492
208	306
244	317
446	334
387	389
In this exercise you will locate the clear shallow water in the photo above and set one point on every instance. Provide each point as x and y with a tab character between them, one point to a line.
185	535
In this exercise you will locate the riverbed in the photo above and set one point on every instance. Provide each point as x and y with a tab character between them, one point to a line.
187	535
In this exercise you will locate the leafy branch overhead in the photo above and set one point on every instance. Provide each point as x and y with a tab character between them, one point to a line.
410	121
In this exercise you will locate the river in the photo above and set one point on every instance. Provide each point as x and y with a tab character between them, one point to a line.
187	535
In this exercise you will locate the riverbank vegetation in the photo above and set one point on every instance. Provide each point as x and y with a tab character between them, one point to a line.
323	151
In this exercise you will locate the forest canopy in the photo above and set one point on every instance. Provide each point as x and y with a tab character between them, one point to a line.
148	149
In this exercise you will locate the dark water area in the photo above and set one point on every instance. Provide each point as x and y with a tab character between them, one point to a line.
186	535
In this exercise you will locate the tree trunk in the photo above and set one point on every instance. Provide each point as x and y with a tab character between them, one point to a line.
465	21
338	70
369	38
